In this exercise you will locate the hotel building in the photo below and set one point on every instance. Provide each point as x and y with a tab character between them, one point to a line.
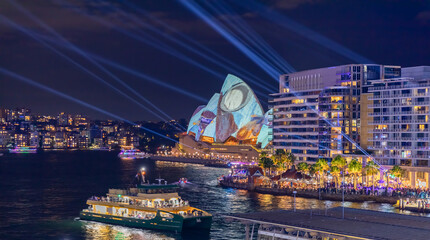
317	112
399	127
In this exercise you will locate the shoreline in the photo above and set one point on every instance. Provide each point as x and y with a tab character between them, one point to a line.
312	194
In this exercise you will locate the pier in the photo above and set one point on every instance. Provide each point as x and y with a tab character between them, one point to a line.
334	223
204	161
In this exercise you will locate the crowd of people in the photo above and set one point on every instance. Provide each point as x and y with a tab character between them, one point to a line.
330	188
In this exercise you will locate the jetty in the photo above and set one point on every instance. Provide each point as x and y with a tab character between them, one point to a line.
203	161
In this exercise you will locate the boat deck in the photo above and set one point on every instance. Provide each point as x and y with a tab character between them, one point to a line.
357	224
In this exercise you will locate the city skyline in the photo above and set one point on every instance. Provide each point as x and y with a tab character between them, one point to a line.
383	20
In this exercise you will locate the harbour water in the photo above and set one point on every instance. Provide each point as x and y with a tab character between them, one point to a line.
41	196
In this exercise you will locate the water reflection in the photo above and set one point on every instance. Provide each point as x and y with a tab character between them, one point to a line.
52	187
101	231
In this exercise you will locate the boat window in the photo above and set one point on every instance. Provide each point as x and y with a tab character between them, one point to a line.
100	209
166	215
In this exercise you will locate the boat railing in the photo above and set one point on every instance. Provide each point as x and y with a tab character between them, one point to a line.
137	214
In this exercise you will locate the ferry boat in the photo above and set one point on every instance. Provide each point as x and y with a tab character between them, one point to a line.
23	150
151	206
132	154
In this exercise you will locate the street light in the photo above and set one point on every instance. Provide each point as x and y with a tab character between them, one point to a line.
343	194
294	192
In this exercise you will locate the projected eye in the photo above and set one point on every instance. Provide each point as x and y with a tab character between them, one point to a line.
236	98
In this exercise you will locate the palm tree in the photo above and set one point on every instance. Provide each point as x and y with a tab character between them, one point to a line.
279	159
265	162
354	168
335	172
371	170
397	172
304	167
340	163
321	167
290	159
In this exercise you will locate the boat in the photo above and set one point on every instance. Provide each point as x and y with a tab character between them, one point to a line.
420	203
183	182
23	150
132	154
150	206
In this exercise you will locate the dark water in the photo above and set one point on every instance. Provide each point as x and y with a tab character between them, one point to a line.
42	194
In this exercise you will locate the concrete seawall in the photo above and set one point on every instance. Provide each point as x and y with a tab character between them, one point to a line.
313	194
206	162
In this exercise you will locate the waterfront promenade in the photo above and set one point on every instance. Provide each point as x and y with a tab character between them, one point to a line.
312	193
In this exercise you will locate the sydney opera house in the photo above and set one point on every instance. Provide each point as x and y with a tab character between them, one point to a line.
233	124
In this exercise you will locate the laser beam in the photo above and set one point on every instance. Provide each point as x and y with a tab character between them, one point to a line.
202	47
303	31
29	33
202	14
83	103
248	34
83	53
230	66
147	40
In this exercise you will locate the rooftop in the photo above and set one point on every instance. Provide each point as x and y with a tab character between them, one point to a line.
358	223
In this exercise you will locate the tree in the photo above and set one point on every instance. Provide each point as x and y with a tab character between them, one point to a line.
354	168
279	159
321	167
304	167
338	163
290	159
371	170
397	172
335	172
265	162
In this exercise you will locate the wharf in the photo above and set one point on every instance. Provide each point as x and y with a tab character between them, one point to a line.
206	162
357	224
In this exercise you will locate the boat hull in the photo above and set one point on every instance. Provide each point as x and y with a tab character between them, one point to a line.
157	223
202	223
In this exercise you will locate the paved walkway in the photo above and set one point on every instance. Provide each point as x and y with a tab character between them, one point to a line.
357	223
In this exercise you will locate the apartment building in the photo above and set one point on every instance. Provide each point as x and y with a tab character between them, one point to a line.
316	113
399	130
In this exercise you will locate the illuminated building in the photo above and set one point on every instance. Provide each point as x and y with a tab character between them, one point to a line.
80	121
62	119
72	140
84	142
400	134
22	139
47	140
34	139
5	138
3	116
315	109
98	142
60	140
232	124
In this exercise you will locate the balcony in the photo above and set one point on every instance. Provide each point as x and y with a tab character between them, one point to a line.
397	121
397	113
397	130
399	104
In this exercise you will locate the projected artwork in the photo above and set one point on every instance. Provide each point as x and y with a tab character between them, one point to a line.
234	115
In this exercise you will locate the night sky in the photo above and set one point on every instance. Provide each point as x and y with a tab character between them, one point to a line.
387	32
